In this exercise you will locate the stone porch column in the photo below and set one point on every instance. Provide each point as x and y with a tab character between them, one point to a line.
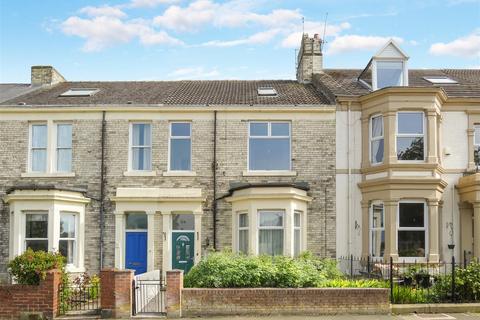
476	228
365	228
167	247
390	207
150	240
119	239
433	239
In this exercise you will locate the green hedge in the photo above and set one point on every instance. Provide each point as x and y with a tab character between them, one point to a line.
229	270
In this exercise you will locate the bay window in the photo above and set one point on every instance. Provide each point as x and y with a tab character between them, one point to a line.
412	229
38	148
243	233
270	232
476	144
376	139
141	147
410	136
68	237
297	233
377	230
64	147
36	231
269	146
180	146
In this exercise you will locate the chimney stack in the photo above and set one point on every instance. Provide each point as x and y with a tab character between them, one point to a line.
310	58
45	75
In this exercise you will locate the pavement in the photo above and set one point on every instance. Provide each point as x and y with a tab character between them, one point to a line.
413	316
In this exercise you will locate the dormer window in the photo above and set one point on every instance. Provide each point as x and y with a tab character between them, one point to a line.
389	74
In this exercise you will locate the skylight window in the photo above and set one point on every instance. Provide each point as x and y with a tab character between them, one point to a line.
440	80
267	91
79	92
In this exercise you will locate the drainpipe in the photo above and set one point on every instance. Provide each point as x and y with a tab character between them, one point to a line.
102	190
349	173
214	172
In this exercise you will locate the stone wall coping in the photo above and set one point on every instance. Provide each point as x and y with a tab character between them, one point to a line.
116	270
282	289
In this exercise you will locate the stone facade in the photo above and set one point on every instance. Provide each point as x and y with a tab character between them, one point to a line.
313	160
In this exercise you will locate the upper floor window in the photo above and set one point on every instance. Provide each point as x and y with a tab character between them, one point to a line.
389	74
376	139
269	146
412	229
410	136
38	145
180	146
141	146
377	230
270	232
64	147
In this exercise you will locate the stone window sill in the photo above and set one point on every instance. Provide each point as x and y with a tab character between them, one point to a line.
272	173
48	174
180	174
140	173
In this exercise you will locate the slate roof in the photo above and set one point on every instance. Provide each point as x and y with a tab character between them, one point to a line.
11	90
219	92
344	81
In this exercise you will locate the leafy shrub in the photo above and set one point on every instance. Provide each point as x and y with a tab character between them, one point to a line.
229	270
31	266
350	283
87	286
467	285
408	294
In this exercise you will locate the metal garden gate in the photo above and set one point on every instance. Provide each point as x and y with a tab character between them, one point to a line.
149	293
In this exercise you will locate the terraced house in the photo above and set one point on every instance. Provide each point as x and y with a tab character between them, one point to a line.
152	175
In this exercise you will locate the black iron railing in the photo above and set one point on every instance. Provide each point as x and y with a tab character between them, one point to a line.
79	297
149	296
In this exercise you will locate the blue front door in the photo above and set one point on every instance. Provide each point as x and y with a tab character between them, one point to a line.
136	251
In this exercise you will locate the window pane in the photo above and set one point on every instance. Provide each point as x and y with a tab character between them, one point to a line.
411	243
180	154
270	242
296	242
137	221
409	148
271	219
243	241
297	219
377	216
36	226
141	158
180	129
377	151
412	215
141	134
183	222
377	127
389	74
39	136
280	129
243	220
410	123
37	245
378	243
269	154
64	160
39	160
67	249
64	136
476	140
67	226
258	129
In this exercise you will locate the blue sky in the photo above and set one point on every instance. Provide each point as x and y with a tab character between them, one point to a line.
236	39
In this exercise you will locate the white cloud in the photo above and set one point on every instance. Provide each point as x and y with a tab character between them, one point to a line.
348	43
468	46
193	73
189	18
103	11
102	32
257	38
293	39
149	3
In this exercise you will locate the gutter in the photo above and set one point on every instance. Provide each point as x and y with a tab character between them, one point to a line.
214	171
102	192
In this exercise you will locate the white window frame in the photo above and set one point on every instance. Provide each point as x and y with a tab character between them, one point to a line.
131	146
371	229
424	228
239	228
412	135
75	239
475	128
170	138
375	73
269	136
373	139
259	227
300	230
30	147
55	140
25	239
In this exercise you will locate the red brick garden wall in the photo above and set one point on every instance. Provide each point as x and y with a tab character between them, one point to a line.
17	300
116	293
302	301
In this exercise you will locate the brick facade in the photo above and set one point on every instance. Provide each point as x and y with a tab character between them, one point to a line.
313	159
21	300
